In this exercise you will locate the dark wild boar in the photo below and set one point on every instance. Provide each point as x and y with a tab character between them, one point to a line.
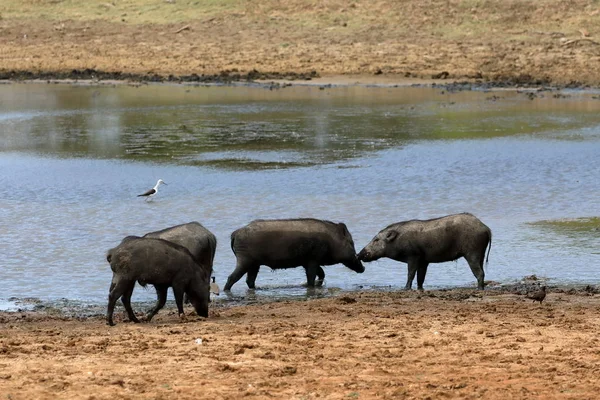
201	242
193	236
420	243
289	243
160	263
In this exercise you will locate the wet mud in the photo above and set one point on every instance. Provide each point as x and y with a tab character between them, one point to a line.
277	80
224	77
84	309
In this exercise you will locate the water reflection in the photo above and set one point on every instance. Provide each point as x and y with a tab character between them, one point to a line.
252	128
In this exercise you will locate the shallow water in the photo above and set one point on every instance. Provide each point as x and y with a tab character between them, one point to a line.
73	159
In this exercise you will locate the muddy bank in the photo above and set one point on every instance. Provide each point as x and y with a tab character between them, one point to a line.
79	309
275	80
223	77
408	345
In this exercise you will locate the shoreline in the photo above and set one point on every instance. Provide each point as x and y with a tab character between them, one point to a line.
90	309
281	80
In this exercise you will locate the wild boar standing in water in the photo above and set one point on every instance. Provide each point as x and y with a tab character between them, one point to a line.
420	243
289	243
160	263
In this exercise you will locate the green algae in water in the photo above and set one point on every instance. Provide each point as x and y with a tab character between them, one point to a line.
571	225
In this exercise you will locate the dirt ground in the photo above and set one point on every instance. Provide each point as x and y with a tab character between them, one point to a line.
391	345
512	41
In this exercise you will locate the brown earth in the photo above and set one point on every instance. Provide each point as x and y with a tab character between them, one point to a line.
435	345
512	41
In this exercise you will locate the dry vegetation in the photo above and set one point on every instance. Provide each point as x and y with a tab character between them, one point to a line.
534	40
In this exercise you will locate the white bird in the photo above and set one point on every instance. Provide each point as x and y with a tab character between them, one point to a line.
214	287
150	193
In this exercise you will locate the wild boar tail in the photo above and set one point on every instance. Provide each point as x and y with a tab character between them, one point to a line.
487	260
213	248
232	241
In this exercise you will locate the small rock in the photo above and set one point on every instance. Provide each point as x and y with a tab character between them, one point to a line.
287	370
441	75
347	299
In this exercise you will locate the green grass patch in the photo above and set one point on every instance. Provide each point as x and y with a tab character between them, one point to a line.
244	164
568	225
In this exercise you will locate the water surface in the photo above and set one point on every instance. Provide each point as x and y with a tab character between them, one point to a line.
73	159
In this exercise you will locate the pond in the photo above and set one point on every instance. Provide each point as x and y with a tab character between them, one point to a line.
74	157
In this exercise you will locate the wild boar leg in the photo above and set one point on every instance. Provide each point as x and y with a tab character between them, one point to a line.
476	265
311	274
413	266
320	274
178	291
161	294
126	299
421	272
251	277
118	287
236	275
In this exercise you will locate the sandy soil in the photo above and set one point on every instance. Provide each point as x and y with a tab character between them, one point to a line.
395	345
513	41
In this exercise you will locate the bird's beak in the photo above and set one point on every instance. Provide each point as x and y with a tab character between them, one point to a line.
165	183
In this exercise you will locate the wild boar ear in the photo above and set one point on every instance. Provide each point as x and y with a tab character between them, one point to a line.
344	229
391	235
